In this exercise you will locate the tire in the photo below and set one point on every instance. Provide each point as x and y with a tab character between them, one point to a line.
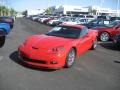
2	41
11	26
104	36
94	45
70	58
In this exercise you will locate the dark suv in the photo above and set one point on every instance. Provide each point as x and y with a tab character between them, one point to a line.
114	18
97	23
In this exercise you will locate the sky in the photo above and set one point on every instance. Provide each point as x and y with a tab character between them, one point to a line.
21	5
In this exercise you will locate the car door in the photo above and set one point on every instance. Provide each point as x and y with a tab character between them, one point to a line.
85	40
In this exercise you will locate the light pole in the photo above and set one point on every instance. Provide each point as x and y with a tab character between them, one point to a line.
101	3
118	8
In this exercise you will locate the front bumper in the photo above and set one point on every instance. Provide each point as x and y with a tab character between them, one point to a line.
41	58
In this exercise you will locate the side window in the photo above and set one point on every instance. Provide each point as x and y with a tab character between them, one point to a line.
94	22
106	22
84	31
100	22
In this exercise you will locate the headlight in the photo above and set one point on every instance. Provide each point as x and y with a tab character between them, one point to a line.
56	49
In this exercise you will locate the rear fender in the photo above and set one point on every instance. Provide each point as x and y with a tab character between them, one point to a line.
5	27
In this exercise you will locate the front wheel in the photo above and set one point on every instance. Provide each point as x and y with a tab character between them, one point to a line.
94	45
104	36
2	41
70	58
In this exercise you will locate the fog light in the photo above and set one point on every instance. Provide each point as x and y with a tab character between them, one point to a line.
53	62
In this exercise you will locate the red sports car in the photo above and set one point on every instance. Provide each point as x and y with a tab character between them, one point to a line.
108	31
58	47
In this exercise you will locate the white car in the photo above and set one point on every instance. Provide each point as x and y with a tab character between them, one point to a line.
41	20
76	22
51	22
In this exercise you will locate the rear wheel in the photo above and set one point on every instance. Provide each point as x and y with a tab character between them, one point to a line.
70	58
2	40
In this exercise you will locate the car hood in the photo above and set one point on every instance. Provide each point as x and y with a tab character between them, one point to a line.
45	41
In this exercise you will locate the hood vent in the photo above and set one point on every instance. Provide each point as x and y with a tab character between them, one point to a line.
35	48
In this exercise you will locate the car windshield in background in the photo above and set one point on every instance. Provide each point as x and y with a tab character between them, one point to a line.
89	16
65	31
93	21
112	24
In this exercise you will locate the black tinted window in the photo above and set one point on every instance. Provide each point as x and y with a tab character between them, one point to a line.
84	31
65	31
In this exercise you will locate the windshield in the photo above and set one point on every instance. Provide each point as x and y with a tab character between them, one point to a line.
89	16
65	31
93	21
112	24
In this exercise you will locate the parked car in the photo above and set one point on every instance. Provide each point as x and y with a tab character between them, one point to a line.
58	47
97	23
54	22
76	21
106	32
5	27
41	20
70	21
4	30
89	18
101	17
7	19
47	20
34	17
114	18
116	39
58	21
2	38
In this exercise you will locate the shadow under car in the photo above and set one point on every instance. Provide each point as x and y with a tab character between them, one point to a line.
14	58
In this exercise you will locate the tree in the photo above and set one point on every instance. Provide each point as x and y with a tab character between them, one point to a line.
12	11
0	10
5	11
92	11
50	10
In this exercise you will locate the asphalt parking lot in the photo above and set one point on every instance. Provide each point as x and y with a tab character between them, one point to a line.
94	70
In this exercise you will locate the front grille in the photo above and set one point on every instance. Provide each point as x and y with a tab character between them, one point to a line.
33	60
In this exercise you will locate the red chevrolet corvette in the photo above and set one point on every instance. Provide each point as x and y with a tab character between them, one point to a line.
108	31
58	47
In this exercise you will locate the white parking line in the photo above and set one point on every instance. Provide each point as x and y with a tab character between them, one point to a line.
1	57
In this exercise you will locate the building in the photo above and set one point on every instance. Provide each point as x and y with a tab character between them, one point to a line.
104	11
69	9
34	12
